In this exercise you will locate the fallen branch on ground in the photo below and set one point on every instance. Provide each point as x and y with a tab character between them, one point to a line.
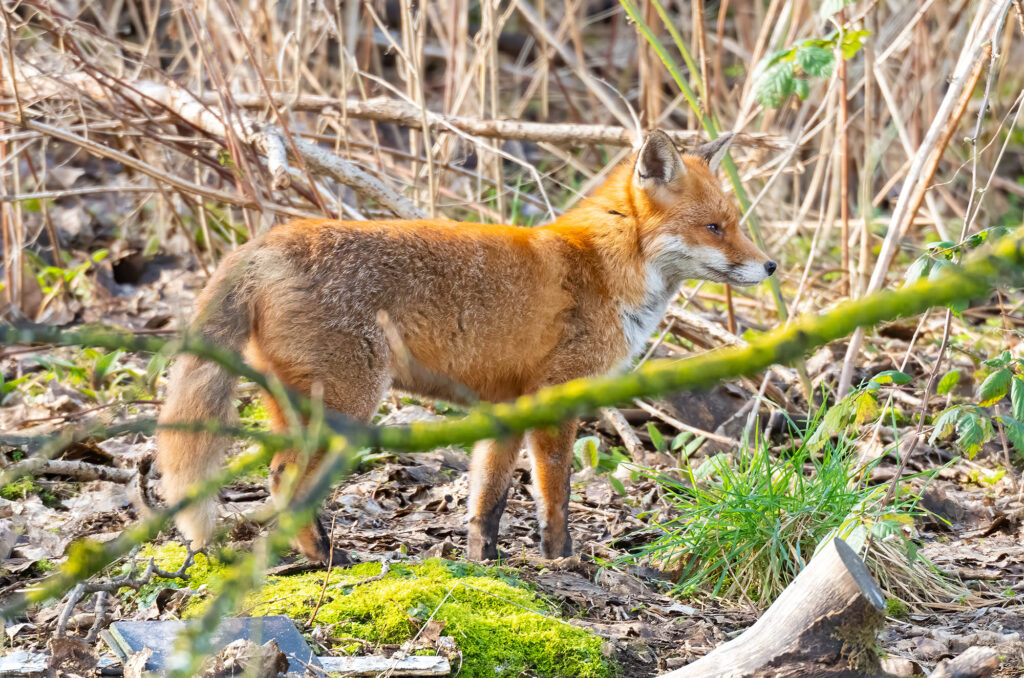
79	470
824	624
130	579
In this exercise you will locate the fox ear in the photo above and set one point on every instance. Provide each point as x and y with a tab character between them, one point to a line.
658	163
713	151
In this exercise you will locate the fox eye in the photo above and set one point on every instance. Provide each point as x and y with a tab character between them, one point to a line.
714	228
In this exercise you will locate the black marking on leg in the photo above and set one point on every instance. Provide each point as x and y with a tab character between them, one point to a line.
323	540
548	547
483	531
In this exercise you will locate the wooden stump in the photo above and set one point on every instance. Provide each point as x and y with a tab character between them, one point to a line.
824	624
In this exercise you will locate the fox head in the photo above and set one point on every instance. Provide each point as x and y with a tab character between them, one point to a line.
689	228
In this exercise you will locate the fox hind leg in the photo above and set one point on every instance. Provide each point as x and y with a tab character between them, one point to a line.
348	389
551	452
490	475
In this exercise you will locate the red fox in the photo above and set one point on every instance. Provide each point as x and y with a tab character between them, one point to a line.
502	310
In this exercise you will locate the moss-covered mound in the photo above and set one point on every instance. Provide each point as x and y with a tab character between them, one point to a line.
500	624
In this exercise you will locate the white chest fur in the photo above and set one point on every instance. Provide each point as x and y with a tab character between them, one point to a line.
639	322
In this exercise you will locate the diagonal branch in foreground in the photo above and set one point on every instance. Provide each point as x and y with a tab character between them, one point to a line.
1002	263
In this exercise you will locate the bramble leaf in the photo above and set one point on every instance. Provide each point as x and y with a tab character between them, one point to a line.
891	377
971	432
1001	360
816	61
1017	398
937	268
834	421
830	7
994	387
867	408
775	84
944	423
801	88
918	269
948	381
852	42
1014	430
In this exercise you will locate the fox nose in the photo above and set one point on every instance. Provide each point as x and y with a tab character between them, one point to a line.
769	266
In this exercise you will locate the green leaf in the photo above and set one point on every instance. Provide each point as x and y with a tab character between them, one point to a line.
918	269
656	438
938	269
103	366
801	88
912	550
891	377
969	434
1001	361
681	440
972	433
775	84
944	423
948	381
777	56
816	61
7	388
1014	430
692	446
617	485
867	408
834	421
1017	397
995	477
586	449
940	245
830	7
852	42
715	464
994	387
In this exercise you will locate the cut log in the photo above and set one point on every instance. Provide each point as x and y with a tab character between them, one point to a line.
824	624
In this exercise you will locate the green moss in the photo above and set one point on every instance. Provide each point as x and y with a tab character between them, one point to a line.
492	616
24	486
896	608
169	557
19	489
44	565
254	415
500	624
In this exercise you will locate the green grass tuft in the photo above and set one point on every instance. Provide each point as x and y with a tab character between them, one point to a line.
746	524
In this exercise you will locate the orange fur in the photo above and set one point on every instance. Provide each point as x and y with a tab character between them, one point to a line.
502	310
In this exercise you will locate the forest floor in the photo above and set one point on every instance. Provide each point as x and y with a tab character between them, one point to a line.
410	507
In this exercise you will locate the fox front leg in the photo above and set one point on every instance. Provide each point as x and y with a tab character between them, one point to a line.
490	474
551	451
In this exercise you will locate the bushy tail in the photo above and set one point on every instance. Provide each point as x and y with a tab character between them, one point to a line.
201	391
